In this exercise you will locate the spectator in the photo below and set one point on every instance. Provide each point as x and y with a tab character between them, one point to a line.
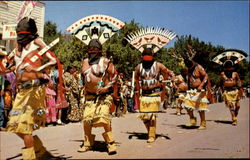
2	79
61	100
7	100
72	94
50	99
130	100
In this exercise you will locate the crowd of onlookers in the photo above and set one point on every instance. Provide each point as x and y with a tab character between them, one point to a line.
66	104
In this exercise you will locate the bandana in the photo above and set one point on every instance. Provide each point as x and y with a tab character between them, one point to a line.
147	58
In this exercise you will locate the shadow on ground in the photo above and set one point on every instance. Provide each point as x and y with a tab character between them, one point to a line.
47	156
177	115
222	121
186	127
144	136
99	146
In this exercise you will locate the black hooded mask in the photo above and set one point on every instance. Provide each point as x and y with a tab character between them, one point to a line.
189	63
228	67
26	32
184	73
147	64
95	53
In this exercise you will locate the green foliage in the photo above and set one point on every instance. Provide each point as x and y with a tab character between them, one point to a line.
71	52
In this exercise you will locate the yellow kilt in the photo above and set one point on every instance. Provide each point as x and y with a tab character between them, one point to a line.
96	110
28	112
180	97
150	102
231	97
196	100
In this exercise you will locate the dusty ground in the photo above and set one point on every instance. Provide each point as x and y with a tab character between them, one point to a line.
219	140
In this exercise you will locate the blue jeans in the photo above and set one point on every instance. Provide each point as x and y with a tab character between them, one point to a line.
130	105
1	111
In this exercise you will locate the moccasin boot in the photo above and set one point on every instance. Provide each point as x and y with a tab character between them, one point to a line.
109	139
28	153
88	143
235	119
192	122
152	132
203	125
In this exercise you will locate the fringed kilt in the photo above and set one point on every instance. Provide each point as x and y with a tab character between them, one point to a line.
97	110
28	112
196	100
181	97
231	97
149	103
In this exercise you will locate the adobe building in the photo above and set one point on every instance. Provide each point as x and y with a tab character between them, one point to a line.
8	20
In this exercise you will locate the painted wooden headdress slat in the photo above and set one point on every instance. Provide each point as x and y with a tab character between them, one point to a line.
103	26
154	38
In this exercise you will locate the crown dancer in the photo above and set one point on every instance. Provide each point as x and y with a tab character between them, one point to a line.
149	41
100	77
28	112
230	81
181	85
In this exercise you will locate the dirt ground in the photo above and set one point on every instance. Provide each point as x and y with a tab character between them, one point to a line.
174	140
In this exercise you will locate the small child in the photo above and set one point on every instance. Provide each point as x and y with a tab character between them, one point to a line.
7	100
50	99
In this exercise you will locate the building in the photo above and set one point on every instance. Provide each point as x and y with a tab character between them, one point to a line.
8	19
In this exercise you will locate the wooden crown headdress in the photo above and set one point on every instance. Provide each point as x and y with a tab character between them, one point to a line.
100	27
233	55
154	38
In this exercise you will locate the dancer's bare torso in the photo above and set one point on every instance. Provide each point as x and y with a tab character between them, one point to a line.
197	77
93	74
30	72
229	82
180	84
150	77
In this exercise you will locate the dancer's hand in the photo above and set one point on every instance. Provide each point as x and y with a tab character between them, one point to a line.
199	88
29	68
102	90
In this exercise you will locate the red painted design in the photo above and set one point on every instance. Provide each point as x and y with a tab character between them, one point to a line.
110	20
88	19
68	30
106	18
117	23
93	17
81	22
72	27
101	17
84	20
76	25
96	17
113	21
